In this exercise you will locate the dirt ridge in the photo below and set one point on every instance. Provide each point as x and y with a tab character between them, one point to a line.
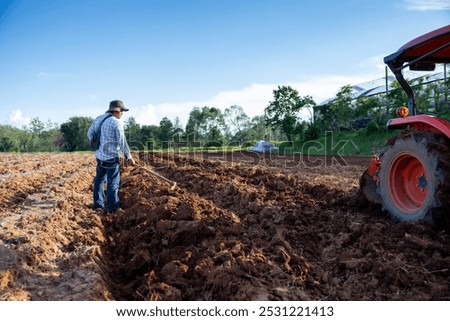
234	228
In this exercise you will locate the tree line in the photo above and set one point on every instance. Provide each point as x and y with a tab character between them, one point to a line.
210	127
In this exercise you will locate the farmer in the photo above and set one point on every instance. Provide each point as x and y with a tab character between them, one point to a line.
112	140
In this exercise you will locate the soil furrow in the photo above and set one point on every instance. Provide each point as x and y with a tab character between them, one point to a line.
237	226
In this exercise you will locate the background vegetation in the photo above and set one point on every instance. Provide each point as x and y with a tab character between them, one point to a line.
343	125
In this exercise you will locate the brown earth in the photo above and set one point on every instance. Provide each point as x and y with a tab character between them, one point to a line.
237	226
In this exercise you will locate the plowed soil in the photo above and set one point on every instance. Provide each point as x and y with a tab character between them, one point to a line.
236	226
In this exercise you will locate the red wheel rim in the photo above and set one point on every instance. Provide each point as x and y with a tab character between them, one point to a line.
408	183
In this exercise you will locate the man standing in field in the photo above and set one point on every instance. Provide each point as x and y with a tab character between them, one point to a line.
112	140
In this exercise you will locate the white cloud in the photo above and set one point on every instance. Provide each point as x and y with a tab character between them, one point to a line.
253	98
321	88
375	63
17	119
145	115
44	75
427	5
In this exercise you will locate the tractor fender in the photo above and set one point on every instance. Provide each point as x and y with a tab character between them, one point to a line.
429	123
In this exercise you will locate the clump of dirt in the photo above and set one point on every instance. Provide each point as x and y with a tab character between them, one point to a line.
50	242
237	226
234	231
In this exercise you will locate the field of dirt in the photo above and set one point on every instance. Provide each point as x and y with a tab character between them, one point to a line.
236	226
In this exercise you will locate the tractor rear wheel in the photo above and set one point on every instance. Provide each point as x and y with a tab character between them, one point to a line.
414	177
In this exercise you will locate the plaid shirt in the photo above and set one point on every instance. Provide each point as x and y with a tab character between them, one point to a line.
112	138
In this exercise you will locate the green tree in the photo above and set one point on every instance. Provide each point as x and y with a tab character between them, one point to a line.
205	124
342	108
178	128
193	126
37	127
423	95
366	105
7	144
258	130
74	133
446	89
166	131
312	131
396	97
42	136
49	140
324	116
150	134
132	130
370	107
237	122
133	133
283	111
437	90
9	138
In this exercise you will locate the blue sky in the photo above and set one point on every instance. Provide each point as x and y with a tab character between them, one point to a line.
62	58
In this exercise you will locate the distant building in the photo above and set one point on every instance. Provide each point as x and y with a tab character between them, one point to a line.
380	86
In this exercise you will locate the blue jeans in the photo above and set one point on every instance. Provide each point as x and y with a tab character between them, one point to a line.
107	171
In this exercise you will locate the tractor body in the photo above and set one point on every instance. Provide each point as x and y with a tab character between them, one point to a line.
411	177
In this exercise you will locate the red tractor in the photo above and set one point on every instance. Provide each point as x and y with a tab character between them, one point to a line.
411	177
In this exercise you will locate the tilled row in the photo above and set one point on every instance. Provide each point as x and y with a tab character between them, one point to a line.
237	231
227	231
50	240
